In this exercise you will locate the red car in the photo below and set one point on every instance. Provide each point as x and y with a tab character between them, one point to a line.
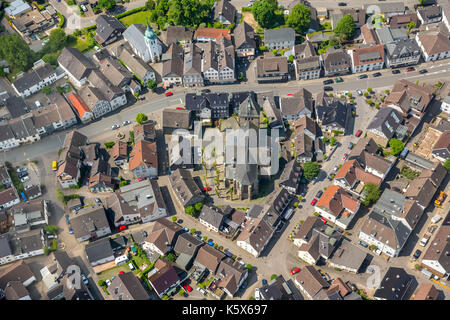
295	270
121	228
187	288
410	69
180	108
141	179
289	94
209	188
345	156
358	133
323	220
169	93
314	201
121	272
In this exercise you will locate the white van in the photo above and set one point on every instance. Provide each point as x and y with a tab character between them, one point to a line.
130	265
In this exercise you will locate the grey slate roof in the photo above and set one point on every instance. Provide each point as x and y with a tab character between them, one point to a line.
176	34
33	77
106	25
394	285
99	250
16	106
279	35
135	36
226	9
387	121
212	215
406	48
244	36
291	175
75	62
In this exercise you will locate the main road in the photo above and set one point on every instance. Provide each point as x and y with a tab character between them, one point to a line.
437	71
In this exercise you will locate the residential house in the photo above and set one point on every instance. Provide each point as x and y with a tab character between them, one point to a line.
367	58
426	291
209	258
224	12
34	22
90	223
163	237
174	119
76	65
116	73
303	149
272	69
387	35
24	129
7	138
120	211
255	236
429	14
143	162
18	271
192	66
272	113
352	177
17	8
27	244
33	214
31	82
335	62
101	183
445	105
311	283
308	68
70	159
283	38
178	34
436	258
384	125
145	131
279	289
99	252
108	30
297	105
446	14
140	69
164	280
291	176
16	107
212	217
332	113
218	63
368	34
434	45
387	9
144	42
323	242
244	40
184	187
402	53
8	198
402	21
348	257
127	286
208	106
120	153
186	248
84	113
57	115
231	275
15	290
394	286
305	125
358	15
441	149
211	34
172	70
5	178
337	206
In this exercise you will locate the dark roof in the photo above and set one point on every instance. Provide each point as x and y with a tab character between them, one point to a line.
17	271
176	119
126	286
212	215
334	115
278	289
387	121
88	220
176	34
15	290
99	250
291	175
394	285
75	62
244	35
187	244
163	279
106	26
226	9
16	106
279	35
209	257
311	281
33	77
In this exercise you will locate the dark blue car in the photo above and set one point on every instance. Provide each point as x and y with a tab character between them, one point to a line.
264	282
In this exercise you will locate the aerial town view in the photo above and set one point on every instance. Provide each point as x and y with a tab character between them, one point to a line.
224	151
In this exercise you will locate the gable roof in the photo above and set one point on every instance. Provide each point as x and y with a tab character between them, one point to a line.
209	257
311	281
164	278
244	34
368	55
126	286
291	174
88	220
434	42
231	273
226	9
212	33
106	26
75	62
335	200
212	215
144	154
279	35
426	291
176	34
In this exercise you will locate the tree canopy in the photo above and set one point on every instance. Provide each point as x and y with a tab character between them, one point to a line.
16	51
299	18
264	12
141	117
447	164
396	146
371	193
106	4
310	170
188	13
345	28
56	41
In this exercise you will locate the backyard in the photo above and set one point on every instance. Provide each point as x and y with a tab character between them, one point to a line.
136	18
108	274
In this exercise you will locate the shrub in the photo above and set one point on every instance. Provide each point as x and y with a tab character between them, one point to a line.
192	231
274	276
123	183
62	20
130	12
295	204
109	145
174	219
316	214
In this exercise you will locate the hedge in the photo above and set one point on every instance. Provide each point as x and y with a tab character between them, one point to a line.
130	12
246	9
62	20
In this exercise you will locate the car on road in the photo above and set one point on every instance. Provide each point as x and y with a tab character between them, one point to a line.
126	122
313	181
328	88
185	229
423	71
342	4
303	194
376	74
359	92
363	76
345	156
410	69
54	165
83	7
365	245
417	254
336	168
85	280
168	94
121	228
264	282
97	200
115	127
395	71
314	201
23	169
350	145
319	194
257	296
70	230
328	81
358	133
187	288
130	265
249	5
323	220
295	270
339	79
67	219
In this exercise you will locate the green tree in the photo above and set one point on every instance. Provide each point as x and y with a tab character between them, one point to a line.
345	28
249	267
50	58
188	13
192	231
109	145
274	276
275	52
299	18
46	90
171	257
291	58
396	146
198	206
411	25
151	84
16	51
150	5
447	164
174	219
264	13
310	170
101	283
123	183
56	41
371	193
51	229
332	141
106	4
141	117
190	210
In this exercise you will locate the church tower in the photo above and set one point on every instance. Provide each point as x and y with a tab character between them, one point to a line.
152	43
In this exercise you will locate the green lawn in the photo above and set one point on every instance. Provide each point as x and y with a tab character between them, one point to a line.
81	44
136	18
107	274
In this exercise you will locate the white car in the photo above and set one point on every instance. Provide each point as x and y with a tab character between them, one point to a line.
23	169
116	126
257	296
108	282
25	179
83	7
359	92
127	122
201	291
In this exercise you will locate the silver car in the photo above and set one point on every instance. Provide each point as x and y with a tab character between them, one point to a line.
116	126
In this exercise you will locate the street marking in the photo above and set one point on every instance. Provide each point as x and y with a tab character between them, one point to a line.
441	284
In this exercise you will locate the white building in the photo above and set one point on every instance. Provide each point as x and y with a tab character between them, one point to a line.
42	75
367	58
445	106
434	45
144	42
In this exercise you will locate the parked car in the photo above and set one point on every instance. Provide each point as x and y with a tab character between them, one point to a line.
313	181
314	201
342	4
395	71
130	265
168	94
365	245
339	79
350	145
187	288
83	7
336	168
417	254
115	127
359	92
328	81
185	229
97	200
319	194
423	71
126	122
328	88
376	74
257	296
358	133
264	282
410	69
25	179
22	174
70	230
295	270
85	280
201	291
345	156
363	76
23	169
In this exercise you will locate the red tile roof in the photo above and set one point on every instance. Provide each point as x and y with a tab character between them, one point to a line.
212	33
143	154
78	104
